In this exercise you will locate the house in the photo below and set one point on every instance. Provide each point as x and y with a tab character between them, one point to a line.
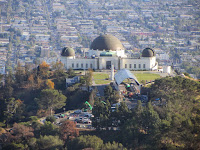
71	81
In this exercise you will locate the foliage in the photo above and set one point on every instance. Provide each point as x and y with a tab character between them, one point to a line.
50	84
17	137
11	107
88	78
71	73
93	142
51	119
58	69
76	97
43	70
21	132
171	114
111	94
68	130
113	146
19	74
191	69
51	99
50	142
48	129
86	141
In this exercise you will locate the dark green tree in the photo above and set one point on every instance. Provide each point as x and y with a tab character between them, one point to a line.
86	141
50	142
49	129
51	99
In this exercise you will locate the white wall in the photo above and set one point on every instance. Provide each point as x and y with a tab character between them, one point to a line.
145	63
79	63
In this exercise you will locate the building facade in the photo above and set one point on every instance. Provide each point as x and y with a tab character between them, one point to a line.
105	51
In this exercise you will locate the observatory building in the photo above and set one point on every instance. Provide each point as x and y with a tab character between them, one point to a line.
105	51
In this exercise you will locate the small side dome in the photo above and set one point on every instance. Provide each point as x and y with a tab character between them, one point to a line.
68	52
148	52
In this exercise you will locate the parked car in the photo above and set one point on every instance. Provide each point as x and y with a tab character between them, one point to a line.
78	111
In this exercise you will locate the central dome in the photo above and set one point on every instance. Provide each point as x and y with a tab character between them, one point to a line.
106	42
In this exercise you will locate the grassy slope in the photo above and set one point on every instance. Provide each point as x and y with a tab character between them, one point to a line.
146	76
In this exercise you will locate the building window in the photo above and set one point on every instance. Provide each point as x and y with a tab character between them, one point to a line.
139	66
125	65
73	65
76	65
91	66
82	66
129	65
144	66
86	66
134	65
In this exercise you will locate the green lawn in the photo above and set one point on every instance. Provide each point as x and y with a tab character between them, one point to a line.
146	76
97	76
102	81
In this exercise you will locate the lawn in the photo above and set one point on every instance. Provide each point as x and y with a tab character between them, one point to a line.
102	81
146	76
98	76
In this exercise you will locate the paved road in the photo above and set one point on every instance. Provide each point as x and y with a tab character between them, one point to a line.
100	88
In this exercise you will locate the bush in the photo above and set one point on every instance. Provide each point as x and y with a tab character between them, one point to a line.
186	74
51	119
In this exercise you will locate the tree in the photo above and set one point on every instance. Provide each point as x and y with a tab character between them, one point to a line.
108	92
49	129
111	95
71	72
68	130
50	142
88	78
151	121
19	74
58	68
51	119
22	132
91	98
11	106
86	141
102	115
8	89
43	70
50	84
113	146
51	99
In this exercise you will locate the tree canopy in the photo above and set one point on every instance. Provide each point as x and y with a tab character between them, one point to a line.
51	99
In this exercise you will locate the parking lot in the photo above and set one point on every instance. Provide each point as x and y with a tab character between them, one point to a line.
82	119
